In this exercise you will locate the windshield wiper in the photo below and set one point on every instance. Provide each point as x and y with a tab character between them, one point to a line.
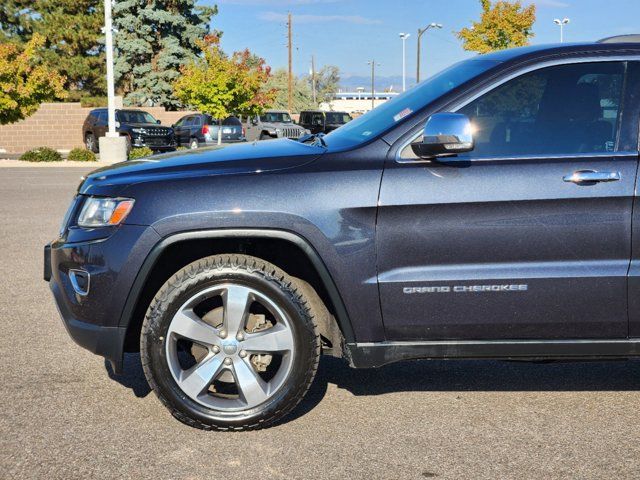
313	139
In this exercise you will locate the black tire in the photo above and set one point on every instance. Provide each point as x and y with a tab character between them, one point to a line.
90	143
256	274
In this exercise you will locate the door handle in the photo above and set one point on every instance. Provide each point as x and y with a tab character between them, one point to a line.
591	176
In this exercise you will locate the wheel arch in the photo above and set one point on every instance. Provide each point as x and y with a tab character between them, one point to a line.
178	250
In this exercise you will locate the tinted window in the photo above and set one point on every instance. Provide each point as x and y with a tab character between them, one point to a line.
317	119
337	118
557	110
181	122
134	116
231	121
102	116
275	117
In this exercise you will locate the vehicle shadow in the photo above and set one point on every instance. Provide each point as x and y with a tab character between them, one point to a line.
440	376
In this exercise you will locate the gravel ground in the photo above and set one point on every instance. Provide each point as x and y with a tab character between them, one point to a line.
65	416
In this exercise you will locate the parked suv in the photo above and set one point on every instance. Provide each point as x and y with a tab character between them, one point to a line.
489	212
318	121
272	124
140	128
200	130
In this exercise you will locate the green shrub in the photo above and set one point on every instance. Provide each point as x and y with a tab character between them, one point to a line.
81	155
140	153
41	154
93	102
181	148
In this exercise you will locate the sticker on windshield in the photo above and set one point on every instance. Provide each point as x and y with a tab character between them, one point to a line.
402	114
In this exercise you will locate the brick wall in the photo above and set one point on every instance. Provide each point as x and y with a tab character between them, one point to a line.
59	126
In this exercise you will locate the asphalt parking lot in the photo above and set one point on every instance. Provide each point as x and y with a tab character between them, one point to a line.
65	416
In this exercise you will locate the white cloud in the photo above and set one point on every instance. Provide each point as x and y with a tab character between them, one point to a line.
281	17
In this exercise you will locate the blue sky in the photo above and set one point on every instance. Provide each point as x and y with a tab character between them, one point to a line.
348	33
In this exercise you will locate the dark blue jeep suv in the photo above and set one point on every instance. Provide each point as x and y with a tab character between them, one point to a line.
489	212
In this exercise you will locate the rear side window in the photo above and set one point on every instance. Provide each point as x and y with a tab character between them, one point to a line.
567	109
102	116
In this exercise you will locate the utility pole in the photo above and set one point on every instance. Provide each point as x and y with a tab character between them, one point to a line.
290	42
373	82
313	79
421	32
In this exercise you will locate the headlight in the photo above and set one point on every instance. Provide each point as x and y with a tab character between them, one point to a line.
104	212
139	130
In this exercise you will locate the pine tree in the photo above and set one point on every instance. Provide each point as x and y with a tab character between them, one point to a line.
154	39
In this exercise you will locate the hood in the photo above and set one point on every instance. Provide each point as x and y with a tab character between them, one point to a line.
237	159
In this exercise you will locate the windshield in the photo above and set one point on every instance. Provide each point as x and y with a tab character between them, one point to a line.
135	116
337	118
275	117
388	114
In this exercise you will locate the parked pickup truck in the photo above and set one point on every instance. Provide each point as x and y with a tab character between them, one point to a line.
489	212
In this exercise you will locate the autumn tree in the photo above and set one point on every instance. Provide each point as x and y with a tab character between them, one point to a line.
222	85
25	81
278	84
503	24
327	83
73	38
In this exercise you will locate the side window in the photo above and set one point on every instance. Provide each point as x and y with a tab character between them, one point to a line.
102	117
567	109
180	122
317	119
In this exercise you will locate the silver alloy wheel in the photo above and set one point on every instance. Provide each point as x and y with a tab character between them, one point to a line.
230	348
89	142
194	144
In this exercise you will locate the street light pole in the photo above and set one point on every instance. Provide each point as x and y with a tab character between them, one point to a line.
108	40
403	37
421	32
561	24
373	84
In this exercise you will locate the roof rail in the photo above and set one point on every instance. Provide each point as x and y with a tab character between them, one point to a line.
631	38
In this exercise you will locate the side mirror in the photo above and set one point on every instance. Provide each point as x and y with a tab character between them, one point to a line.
254	121
445	134
158	122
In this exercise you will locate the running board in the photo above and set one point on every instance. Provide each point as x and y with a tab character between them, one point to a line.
370	355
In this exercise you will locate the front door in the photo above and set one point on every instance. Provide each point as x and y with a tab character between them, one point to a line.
528	236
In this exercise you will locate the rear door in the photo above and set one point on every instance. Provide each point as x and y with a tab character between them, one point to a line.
178	131
527	237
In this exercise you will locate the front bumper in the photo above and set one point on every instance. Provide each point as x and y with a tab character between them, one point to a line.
154	143
93	318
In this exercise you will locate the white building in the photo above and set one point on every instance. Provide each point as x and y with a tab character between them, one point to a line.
356	102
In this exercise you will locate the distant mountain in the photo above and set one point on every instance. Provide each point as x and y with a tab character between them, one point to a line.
351	82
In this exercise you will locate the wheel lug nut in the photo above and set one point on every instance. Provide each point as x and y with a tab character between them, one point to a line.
242	354
223	334
240	336
215	349
227	361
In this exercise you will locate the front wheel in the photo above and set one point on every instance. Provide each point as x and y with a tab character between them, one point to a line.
193	143
228	343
